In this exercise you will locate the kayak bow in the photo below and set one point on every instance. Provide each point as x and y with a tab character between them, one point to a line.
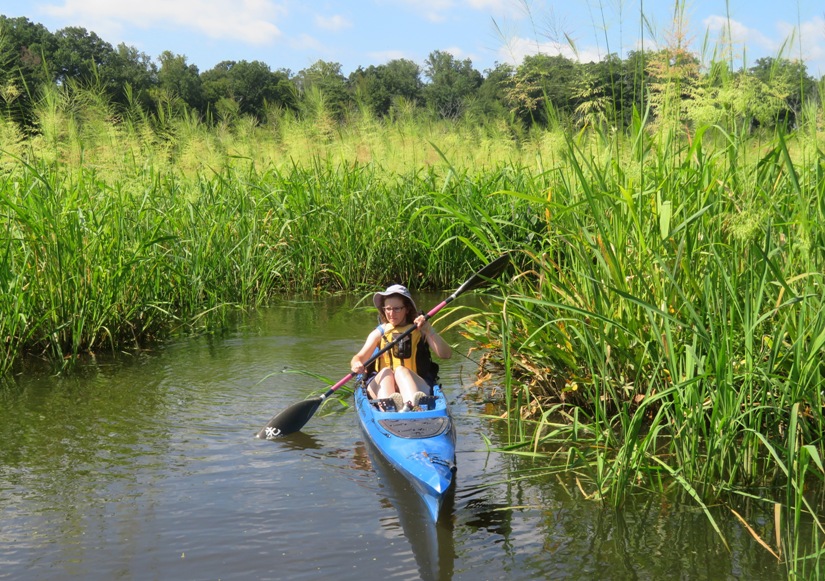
419	444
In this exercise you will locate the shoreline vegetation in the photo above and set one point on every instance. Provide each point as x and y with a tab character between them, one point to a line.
663	329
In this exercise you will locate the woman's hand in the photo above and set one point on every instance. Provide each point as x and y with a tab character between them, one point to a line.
434	340
356	364
423	325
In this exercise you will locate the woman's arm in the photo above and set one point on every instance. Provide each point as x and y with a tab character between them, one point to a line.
440	347
357	362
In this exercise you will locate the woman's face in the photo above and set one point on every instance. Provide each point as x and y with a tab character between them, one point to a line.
395	310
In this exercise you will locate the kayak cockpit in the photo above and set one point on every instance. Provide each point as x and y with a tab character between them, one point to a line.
428	402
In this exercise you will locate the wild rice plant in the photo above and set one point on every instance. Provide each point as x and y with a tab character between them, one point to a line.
664	328
674	306
92	261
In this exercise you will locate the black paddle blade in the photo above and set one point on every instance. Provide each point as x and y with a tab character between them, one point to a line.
290	420
485	275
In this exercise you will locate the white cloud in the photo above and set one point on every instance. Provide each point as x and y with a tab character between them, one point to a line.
333	23
810	39
520	47
501	7
739	33
306	43
437	10
385	56
806	41
458	53
250	21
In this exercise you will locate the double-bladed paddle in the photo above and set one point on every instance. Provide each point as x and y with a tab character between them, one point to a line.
297	415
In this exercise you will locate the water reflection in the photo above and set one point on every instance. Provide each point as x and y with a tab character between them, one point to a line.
491	517
146	467
299	441
431	543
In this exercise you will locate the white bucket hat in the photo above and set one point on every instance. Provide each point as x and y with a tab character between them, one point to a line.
396	289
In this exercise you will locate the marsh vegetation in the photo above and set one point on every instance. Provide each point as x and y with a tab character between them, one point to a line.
663	329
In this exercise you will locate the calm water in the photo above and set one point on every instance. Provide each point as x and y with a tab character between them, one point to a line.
147	469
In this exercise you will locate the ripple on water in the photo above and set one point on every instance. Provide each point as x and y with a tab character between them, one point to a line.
149	470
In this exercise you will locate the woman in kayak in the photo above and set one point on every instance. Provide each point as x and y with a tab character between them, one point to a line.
405	373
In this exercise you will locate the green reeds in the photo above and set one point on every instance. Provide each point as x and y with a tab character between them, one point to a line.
675	306
665	329
95	262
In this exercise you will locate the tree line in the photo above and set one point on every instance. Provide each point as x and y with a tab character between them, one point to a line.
544	90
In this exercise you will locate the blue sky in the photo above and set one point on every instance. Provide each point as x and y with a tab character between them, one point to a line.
293	34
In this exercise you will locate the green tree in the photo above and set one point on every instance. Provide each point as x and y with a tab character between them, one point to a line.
620	83
80	56
490	102
178	80
787	80
27	51
250	85
759	104
591	98
131	76
542	88
452	84
378	87
714	100
30	47
323	81
674	83
633	85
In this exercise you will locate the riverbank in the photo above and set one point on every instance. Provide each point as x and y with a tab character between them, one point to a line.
663	327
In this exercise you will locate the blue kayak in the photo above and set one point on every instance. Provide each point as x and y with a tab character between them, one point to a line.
419	444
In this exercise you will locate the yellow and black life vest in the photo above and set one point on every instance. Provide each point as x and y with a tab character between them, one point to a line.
411	352
403	354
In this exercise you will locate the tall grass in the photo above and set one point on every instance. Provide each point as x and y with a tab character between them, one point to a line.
670	323
120	241
89	263
123	226
664	328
